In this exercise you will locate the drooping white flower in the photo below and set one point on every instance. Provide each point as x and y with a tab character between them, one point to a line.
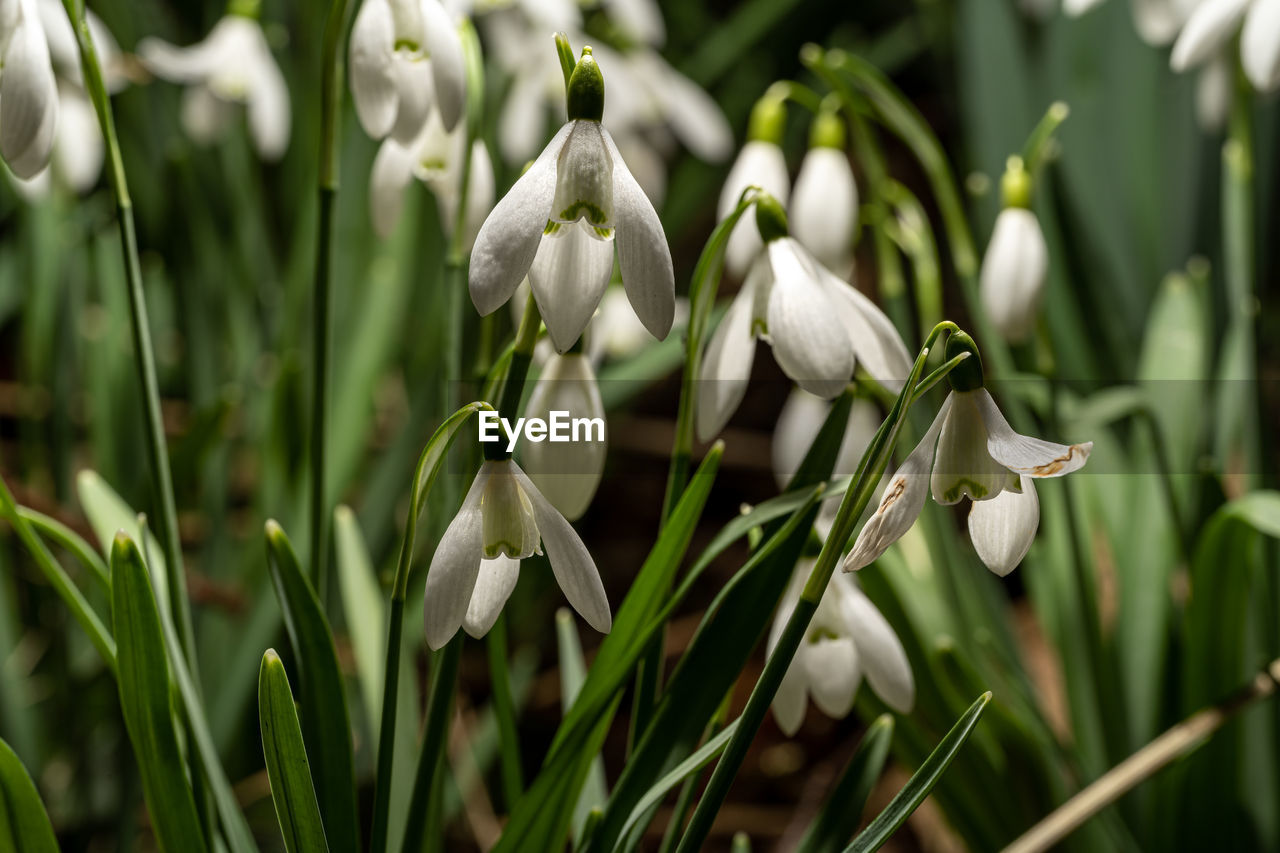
1212	23
818	325
435	157
760	163
1013	273
567	472
233	65
970	451
28	90
824	201
504	519
847	639
406	65
559	225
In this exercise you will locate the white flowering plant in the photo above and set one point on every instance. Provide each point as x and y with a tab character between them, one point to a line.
389	459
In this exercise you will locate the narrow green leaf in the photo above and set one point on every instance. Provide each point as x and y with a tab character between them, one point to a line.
58	533
700	758
921	782
24	824
287	766
326	724
145	691
842	812
365	610
108	514
573	672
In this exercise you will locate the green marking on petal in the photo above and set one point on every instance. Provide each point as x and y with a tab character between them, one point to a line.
582	208
976	490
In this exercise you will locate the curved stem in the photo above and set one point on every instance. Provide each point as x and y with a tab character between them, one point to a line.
166	528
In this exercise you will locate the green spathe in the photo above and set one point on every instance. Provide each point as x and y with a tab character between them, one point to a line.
586	89
771	219
967	375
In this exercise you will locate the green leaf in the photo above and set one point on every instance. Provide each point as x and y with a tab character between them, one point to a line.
145	691
24	824
920	784
543	815
325	722
573	672
842	812
108	514
700	758
287	768
366	614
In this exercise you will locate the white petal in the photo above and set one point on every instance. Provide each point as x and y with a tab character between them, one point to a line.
903	499
1206	32
963	465
205	116
1021	454
694	116
643	254
1213	94
726	364
759	164
1076	8
884	661
1157	21
790	700
801	418
831	667
1260	45
645	163
373	89
824	206
566	472
571	563
1002	528
494	584
877	346
78	150
523	120
268	105
584	177
569	275
415	94
480	189
1013	273
508	240
451	579
28	98
639	19
192	64
392	171
447	65
809	342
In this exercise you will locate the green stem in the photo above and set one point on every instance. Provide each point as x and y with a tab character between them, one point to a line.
144	355
1035	152
870	469
434	738
504	712
331	76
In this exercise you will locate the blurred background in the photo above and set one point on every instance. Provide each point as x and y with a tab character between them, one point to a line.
1133	194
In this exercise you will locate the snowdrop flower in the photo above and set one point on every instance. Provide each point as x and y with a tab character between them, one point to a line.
847	639
233	65
970	450
559	224
1014	269
824	201
1211	25
504	519
818	325
406	65
78	148
761	164
567	472
660	96
435	158
28	91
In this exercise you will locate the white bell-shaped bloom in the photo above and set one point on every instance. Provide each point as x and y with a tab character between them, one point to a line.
971	451
818	325
567	472
847	639
28	90
406	65
1210	27
1013	273
504	519
824	207
233	65
435	157
760	163
559	224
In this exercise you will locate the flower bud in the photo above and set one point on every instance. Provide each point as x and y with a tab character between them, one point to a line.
771	219
967	375
586	89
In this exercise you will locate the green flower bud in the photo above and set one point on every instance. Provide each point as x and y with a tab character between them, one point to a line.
771	219
827	131
768	119
967	375
1015	186
586	89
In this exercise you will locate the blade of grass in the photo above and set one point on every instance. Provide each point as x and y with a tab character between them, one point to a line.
842	811
288	770
24	823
